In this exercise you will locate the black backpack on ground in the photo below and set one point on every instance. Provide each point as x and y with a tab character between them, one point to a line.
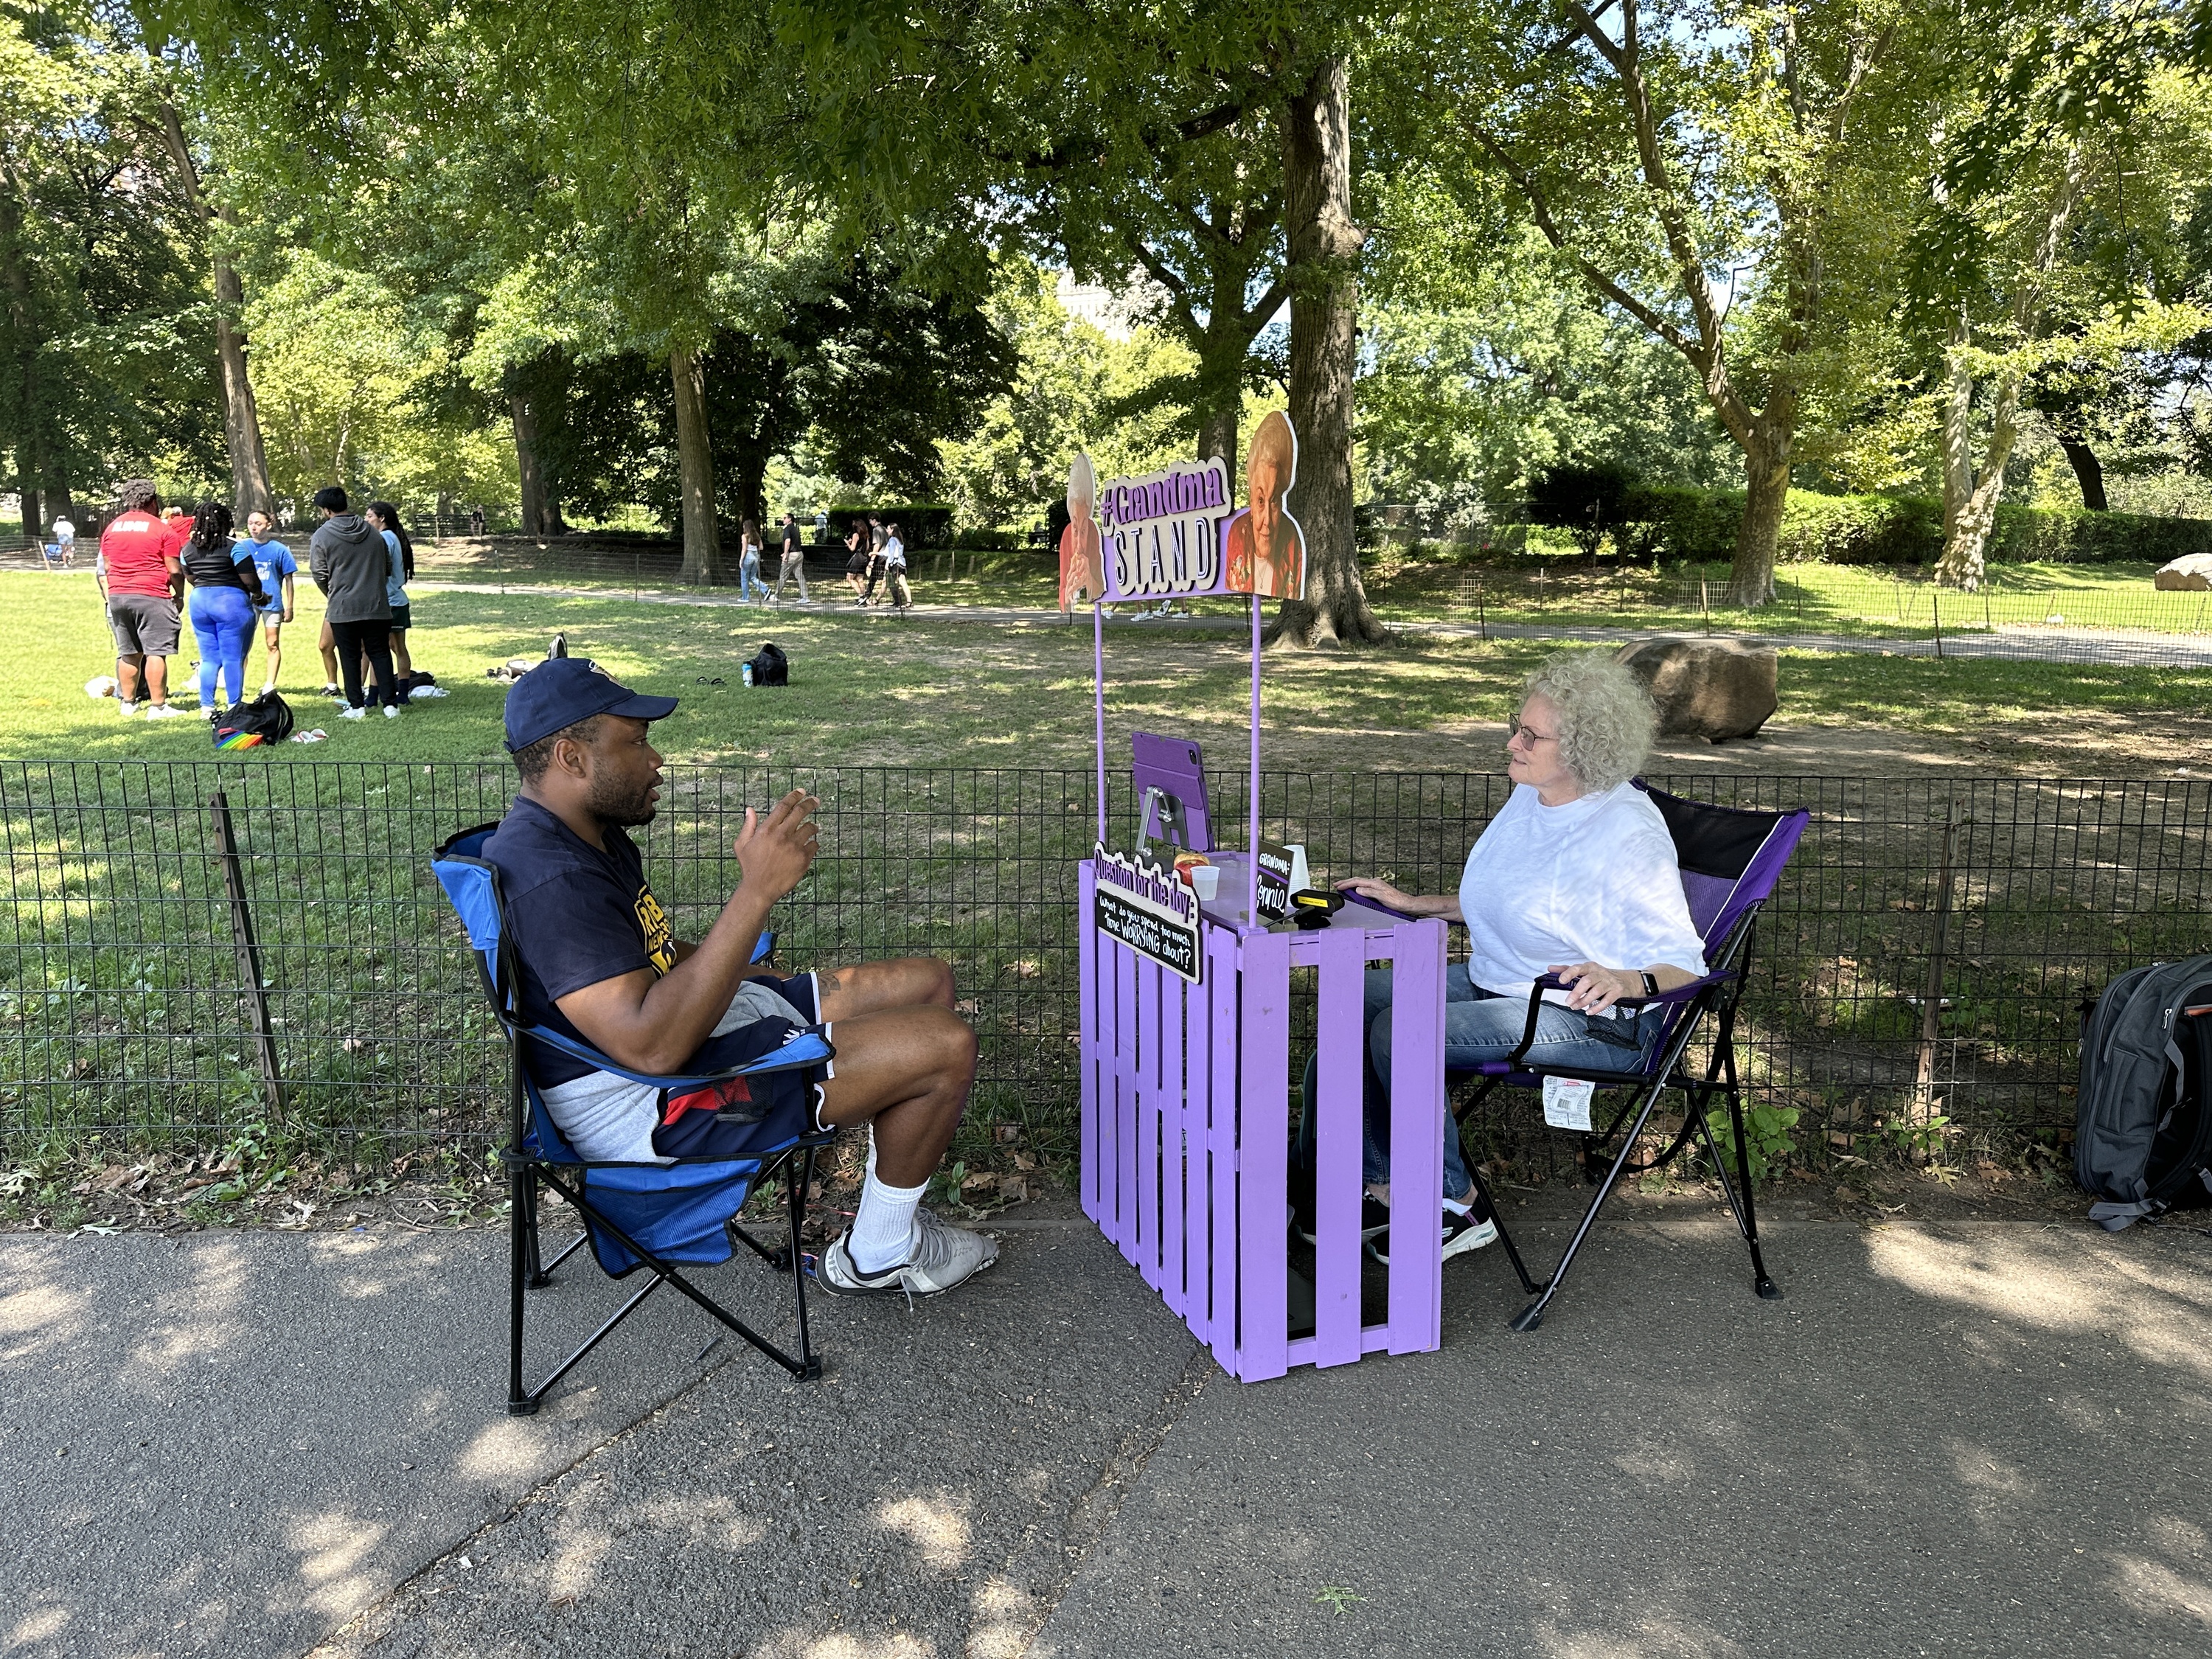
266	719
2142	1137
771	667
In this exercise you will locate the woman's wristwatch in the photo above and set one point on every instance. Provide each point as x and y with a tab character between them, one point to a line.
1650	983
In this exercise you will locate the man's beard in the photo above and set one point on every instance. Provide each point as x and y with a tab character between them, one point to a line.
626	808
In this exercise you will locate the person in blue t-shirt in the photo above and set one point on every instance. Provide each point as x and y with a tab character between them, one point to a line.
274	563
596	961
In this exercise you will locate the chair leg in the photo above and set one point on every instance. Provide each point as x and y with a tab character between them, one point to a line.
537	1277
810	1363
1533	1315
1747	1215
1504	1237
523	1260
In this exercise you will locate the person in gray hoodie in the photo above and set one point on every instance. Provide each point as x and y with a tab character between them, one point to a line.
350	563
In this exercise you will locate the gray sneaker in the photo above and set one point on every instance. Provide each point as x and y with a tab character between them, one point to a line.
943	1255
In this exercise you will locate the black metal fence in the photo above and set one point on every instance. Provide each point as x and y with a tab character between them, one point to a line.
1925	955
2011	614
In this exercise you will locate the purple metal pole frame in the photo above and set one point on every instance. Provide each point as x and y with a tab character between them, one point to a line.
1252	844
1099	700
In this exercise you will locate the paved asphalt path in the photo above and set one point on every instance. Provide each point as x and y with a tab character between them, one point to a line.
1977	1439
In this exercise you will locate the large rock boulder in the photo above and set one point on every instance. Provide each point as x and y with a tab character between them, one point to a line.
1711	688
2190	573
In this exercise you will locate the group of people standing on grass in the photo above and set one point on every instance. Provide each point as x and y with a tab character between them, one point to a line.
149	557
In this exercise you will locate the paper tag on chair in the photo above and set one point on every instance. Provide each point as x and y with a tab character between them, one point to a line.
1567	1102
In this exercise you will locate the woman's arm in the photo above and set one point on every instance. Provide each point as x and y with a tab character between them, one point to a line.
1593	988
1413	904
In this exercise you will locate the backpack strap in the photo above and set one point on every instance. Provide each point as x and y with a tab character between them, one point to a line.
2119	1217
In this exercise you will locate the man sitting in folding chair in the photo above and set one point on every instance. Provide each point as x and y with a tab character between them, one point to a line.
595	962
1575	877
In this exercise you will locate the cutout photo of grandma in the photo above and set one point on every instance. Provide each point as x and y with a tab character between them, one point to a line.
1266	551
1082	568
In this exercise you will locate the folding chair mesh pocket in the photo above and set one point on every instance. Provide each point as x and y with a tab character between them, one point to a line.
658	1216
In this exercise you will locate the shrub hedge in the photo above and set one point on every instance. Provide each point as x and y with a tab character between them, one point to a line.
921	524
1701	525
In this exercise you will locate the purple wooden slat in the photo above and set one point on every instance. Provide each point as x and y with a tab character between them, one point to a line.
1226	1001
1195	1186
1417	1108
1262	1128
1151	999
1174	1003
1342	959
1087	996
1129	1027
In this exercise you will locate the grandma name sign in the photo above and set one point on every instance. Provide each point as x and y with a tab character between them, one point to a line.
1163	531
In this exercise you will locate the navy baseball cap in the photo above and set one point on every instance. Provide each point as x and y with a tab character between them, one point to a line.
561	691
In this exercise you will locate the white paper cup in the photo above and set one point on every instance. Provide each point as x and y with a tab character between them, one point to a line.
1205	880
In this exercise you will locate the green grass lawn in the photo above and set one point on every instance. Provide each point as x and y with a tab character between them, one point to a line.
871	688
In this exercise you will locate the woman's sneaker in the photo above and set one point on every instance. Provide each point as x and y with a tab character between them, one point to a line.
1374	1217
941	1256
1463	1231
351	713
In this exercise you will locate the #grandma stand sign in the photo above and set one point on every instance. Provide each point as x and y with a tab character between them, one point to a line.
1141	903
1176	534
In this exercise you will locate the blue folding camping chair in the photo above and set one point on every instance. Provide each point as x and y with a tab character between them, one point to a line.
634	1215
1729	860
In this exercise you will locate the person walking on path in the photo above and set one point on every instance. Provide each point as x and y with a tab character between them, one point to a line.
225	591
894	570
352	566
274	563
856	556
749	564
64	539
384	519
794	561
145	587
876	540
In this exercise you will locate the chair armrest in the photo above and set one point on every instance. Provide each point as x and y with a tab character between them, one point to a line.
1551	982
1680	993
808	1048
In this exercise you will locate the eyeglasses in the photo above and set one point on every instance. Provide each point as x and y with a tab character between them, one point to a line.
1515	729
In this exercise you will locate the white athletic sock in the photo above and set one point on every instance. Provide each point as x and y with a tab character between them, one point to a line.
883	1231
1459	1205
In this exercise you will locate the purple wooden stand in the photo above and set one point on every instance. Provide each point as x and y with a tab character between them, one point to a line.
1186	1109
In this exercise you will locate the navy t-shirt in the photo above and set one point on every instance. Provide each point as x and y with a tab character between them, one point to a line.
575	915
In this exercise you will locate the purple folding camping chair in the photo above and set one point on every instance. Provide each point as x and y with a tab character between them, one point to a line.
1730	859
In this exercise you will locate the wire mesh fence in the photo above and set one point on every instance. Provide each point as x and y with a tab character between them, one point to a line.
1925	956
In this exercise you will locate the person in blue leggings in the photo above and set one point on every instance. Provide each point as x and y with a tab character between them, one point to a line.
225	588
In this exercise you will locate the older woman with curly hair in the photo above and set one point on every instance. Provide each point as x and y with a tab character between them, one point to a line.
1575	877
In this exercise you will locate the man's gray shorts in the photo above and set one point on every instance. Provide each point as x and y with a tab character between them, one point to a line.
144	624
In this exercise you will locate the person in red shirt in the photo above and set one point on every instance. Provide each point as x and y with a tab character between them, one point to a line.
145	588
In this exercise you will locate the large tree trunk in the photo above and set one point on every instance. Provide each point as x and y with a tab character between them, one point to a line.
1767	493
31	469
2088	472
241	418
703	537
529	468
1324	253
1967	524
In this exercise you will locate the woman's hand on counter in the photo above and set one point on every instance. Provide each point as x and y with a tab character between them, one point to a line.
1412	904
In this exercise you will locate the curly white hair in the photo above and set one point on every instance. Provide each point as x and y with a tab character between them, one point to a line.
1606	717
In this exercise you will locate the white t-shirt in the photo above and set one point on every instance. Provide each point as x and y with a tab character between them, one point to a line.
64	531
1595	880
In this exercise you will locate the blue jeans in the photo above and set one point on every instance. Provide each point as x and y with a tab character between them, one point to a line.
222	617
1478	1026
749	578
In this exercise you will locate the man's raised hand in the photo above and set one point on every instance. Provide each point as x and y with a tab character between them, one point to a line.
776	851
